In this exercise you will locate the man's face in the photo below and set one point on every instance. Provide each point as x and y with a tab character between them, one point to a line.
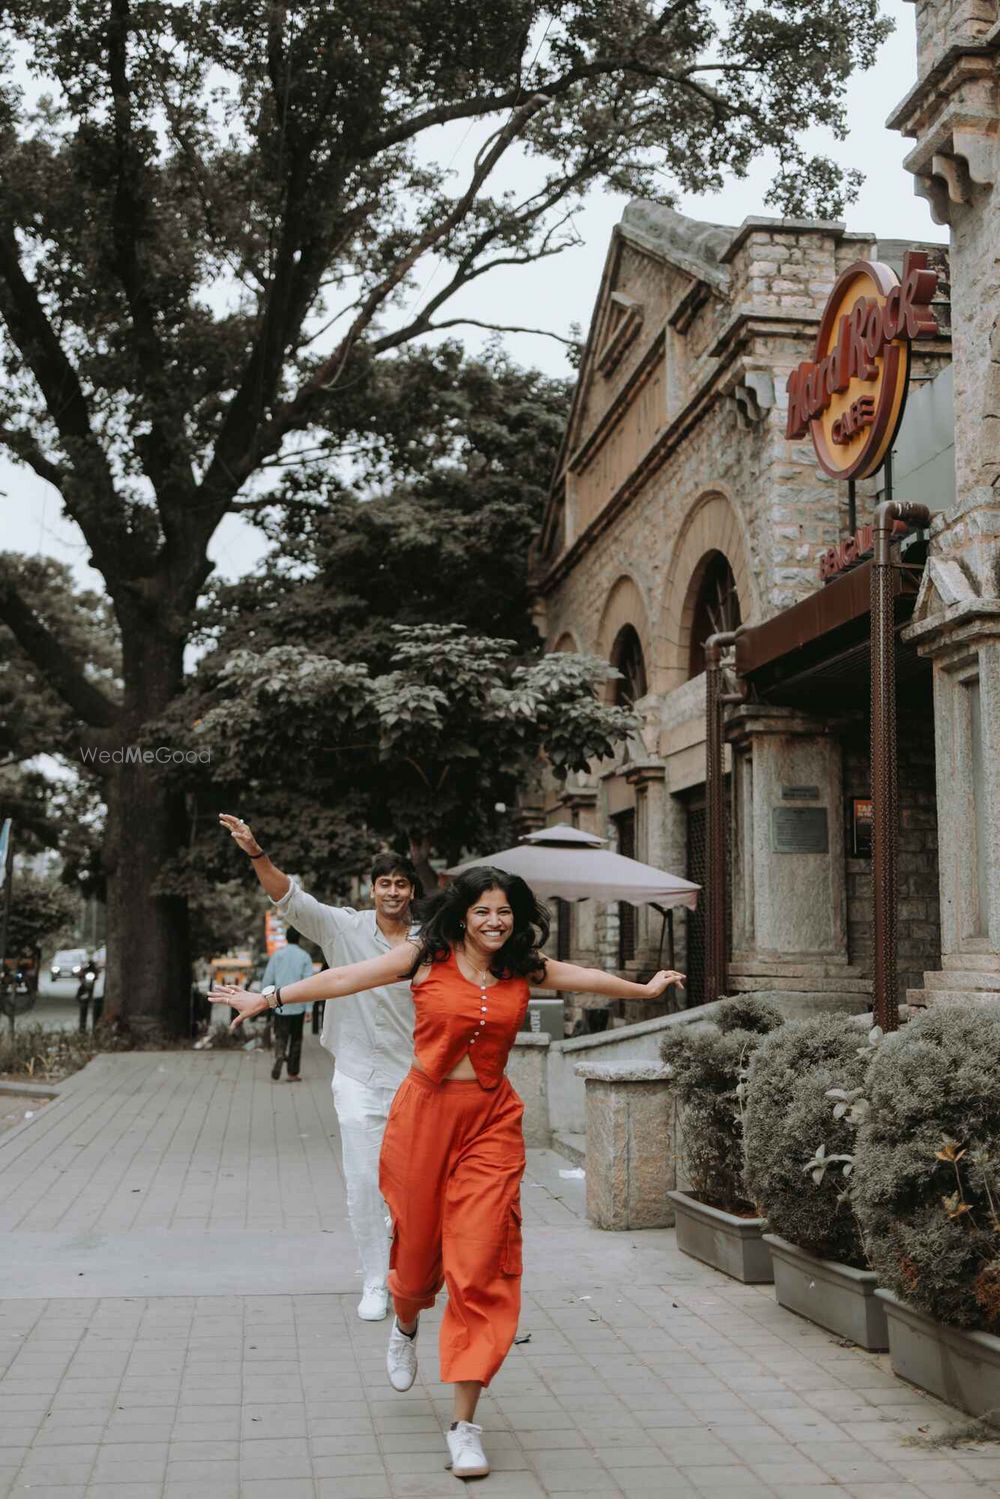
392	894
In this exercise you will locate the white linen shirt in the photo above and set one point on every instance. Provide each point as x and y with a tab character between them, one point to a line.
369	1034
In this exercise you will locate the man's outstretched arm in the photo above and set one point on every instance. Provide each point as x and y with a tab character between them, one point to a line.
311	917
276	884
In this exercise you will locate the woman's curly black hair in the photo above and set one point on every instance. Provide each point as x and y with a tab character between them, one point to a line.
442	918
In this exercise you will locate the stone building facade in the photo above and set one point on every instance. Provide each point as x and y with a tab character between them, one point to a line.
952	115
681	509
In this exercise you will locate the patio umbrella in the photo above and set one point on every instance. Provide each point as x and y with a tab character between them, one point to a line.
568	864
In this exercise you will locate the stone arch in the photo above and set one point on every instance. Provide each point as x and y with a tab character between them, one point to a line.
624	609
712	525
566	641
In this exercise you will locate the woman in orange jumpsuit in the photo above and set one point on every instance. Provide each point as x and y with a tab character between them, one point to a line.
453	1152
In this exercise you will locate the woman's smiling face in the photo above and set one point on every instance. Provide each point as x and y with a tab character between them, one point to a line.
489	921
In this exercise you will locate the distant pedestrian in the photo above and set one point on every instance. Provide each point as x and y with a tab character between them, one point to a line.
284	966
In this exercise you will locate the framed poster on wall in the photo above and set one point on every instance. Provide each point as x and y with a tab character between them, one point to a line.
861	827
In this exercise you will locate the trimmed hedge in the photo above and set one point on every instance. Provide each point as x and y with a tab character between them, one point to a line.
708	1063
791	1131
926	1185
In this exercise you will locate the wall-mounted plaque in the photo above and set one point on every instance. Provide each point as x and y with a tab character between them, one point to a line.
861	827
799	830
800	793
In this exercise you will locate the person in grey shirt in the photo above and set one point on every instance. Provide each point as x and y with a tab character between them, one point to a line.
370	1035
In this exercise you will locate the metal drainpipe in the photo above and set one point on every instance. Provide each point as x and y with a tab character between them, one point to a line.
716	961
885	790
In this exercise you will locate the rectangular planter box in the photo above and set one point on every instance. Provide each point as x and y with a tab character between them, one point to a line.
832	1295
731	1244
953	1363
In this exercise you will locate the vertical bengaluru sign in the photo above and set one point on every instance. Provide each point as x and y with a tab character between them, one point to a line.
850	396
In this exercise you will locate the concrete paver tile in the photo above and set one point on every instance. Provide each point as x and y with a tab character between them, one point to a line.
291	1488
209	1472
355	1487
202	1451
897	1490
185	1488
346	1464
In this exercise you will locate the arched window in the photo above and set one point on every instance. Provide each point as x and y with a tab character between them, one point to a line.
716	607
627	657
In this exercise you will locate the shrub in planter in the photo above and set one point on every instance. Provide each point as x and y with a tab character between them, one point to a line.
926	1183
800	1140
708	1064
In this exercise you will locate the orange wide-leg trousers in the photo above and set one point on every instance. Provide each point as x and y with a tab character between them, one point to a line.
451	1167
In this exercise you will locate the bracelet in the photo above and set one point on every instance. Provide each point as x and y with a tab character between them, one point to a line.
261	855
277	1000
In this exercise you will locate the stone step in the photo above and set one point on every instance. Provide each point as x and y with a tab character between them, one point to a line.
969	961
778	968
825	983
962	978
925	998
570	1145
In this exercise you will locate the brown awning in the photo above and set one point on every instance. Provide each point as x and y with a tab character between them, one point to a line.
819	647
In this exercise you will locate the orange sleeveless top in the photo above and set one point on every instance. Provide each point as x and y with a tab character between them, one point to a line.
455	1017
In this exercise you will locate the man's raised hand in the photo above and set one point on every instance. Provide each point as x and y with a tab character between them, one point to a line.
241	834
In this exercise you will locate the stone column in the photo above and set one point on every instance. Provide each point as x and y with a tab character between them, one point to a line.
788	879
579	809
953	118
631	1162
963	642
648	779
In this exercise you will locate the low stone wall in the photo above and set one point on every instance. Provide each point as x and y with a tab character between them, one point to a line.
544	1072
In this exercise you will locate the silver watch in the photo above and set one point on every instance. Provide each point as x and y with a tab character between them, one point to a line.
269	993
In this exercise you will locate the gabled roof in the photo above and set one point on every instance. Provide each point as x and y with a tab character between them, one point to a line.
689	245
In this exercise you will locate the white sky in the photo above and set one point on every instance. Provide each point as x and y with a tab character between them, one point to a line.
555	293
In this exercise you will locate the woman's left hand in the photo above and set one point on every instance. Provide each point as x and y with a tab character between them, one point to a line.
663	980
242	1000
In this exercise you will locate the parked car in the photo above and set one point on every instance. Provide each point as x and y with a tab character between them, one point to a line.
69	962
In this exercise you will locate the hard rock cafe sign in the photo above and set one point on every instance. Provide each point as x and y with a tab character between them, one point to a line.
850	395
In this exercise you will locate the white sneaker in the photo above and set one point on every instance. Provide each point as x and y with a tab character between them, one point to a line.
401	1359
374	1303
465	1443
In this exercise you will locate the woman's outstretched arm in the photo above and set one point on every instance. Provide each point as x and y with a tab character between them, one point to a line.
332	983
595	981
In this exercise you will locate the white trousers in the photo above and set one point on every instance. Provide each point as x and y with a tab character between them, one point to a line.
362	1112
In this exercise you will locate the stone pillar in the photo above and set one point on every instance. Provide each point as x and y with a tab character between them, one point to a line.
579	809
789	920
963	642
648	780
527	1069
953	117
631	1163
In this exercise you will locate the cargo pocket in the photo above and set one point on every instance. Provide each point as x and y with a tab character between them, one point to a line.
510	1260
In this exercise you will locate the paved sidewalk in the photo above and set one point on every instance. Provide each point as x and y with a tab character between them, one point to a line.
179	1321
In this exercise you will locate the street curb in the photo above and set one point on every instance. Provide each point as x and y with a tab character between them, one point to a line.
32	1090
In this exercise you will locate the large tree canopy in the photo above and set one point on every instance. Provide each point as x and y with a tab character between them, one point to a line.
222	222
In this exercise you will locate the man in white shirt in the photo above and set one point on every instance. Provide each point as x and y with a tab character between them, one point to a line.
370	1035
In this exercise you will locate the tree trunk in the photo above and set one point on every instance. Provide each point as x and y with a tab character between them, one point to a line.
149	959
